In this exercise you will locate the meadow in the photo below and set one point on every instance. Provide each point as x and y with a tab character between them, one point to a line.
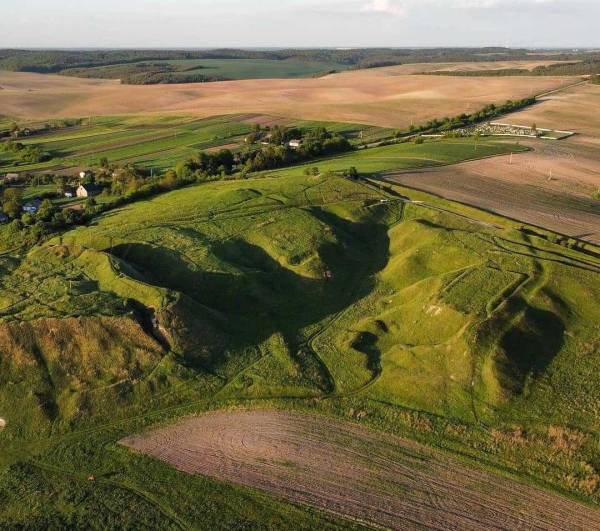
308	292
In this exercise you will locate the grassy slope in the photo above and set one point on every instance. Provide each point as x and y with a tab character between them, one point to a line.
284	289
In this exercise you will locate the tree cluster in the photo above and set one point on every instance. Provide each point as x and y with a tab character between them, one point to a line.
278	153
25	154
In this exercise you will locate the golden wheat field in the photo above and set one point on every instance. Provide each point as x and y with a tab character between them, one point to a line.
378	96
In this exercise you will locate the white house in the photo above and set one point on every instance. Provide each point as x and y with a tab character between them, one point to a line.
295	143
88	190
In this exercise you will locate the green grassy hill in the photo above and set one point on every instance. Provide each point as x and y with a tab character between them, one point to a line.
310	292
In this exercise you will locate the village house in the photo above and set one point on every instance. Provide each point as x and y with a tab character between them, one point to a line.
295	143
88	190
266	140
10	178
31	207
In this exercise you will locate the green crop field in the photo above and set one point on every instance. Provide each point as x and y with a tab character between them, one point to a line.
231	69
158	142
407	156
425	319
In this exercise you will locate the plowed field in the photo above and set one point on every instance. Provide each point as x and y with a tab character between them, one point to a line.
344	468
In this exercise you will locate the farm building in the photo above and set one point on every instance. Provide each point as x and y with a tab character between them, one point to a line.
88	190
295	143
32	207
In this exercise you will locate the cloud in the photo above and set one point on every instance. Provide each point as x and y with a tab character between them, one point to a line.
403	7
388	7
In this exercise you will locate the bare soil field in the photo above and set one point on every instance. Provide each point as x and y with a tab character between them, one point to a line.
344	468
364	96
574	109
417	68
550	187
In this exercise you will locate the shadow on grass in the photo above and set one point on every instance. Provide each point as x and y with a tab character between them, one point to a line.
259	296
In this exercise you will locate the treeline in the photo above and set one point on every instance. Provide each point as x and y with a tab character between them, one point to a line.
59	61
464	120
145	73
24	154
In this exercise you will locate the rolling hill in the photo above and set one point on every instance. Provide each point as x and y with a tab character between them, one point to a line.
311	292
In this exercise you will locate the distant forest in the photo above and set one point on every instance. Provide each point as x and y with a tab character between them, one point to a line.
144	67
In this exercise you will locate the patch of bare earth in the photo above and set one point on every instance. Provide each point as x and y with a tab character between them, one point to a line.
344	468
550	187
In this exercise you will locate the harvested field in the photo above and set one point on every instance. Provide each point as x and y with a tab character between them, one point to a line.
418	68
575	109
372	97
344	468
550	187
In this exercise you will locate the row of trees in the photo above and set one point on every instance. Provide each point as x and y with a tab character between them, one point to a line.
464	120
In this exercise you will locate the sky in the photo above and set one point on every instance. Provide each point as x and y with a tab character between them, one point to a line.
299	23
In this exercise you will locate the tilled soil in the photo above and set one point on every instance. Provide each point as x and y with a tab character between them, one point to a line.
347	469
550	187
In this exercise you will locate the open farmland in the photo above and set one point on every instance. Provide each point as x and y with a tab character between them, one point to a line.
419	68
554	186
158	142
370	97
341	467
575	109
551	186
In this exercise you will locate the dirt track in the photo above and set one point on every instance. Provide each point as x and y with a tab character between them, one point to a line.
550	187
378	96
349	470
